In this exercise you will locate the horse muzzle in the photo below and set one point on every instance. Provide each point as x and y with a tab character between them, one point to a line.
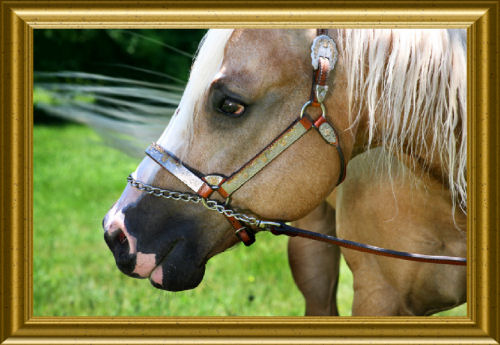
161	254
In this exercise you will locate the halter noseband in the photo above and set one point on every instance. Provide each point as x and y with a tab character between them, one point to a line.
324	56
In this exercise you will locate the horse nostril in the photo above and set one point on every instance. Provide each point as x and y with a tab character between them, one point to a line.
119	245
122	238
116	239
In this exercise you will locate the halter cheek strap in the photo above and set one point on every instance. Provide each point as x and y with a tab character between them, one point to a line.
324	56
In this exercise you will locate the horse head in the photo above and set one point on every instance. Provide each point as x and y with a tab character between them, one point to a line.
245	89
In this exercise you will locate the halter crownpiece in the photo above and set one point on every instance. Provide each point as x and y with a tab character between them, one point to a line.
323	59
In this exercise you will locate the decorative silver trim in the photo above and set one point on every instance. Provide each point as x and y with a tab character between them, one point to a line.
321	91
327	132
258	163
175	167
213	180
324	46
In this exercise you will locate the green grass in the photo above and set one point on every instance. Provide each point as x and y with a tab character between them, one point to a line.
76	180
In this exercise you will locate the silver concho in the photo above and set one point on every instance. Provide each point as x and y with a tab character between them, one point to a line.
213	180
321	91
323	46
328	133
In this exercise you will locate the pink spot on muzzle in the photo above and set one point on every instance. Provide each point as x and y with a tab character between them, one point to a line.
145	263
157	275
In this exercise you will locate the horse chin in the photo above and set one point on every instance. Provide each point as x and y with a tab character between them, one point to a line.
166	277
176	273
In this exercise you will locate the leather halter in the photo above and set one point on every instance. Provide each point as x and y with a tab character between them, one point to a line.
324	56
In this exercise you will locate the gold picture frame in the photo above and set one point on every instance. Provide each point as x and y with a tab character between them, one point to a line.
19	326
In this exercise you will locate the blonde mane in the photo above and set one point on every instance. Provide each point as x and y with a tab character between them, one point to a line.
207	63
393	74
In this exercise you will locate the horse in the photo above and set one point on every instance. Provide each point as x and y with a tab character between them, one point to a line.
369	207
403	90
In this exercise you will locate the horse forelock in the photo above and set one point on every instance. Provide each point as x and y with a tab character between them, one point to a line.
395	74
179	133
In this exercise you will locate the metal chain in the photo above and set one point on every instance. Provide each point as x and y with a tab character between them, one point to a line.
163	193
208	203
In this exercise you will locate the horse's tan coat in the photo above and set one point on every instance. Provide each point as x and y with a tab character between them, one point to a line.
314	264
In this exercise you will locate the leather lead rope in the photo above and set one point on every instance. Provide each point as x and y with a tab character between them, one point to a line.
291	231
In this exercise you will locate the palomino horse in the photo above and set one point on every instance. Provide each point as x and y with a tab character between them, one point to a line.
409	211
400	89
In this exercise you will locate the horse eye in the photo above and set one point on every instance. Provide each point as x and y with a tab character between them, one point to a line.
231	107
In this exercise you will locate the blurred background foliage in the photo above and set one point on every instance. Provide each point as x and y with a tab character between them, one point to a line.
159	56
119	52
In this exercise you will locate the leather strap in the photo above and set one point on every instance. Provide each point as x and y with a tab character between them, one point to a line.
290	135
320	77
288	230
175	167
319	89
